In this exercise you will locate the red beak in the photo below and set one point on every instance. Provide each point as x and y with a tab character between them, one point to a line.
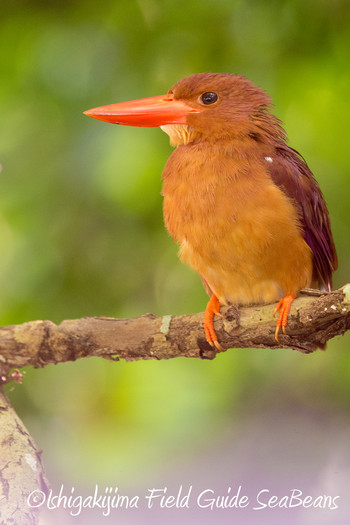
146	112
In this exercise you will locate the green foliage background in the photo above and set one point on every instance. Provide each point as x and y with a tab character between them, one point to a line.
81	229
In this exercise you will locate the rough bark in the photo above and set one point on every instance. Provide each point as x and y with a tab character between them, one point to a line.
21	471
315	318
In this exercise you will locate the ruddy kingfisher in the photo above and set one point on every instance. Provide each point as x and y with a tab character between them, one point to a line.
242	204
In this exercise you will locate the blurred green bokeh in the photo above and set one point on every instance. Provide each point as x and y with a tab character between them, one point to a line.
81	228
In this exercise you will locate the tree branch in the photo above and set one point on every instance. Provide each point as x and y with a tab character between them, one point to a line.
315	318
21	470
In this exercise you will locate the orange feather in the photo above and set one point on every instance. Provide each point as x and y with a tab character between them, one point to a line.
244	207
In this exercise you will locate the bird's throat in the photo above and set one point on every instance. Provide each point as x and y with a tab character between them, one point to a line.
179	133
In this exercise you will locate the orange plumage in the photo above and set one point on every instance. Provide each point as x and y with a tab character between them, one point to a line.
243	206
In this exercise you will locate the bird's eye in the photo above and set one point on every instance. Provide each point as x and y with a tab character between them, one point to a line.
209	98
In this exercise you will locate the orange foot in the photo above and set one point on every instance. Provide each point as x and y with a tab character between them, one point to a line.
212	309
284	308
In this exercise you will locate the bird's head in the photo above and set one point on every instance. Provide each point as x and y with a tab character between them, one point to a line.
203	106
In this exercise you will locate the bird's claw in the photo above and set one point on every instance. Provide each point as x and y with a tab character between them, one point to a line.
217	345
283	307
212	309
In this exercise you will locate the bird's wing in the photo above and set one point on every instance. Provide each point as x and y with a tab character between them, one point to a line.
291	174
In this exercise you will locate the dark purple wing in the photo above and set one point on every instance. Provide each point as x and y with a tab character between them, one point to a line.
290	172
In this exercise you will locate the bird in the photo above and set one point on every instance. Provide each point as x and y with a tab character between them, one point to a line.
244	206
